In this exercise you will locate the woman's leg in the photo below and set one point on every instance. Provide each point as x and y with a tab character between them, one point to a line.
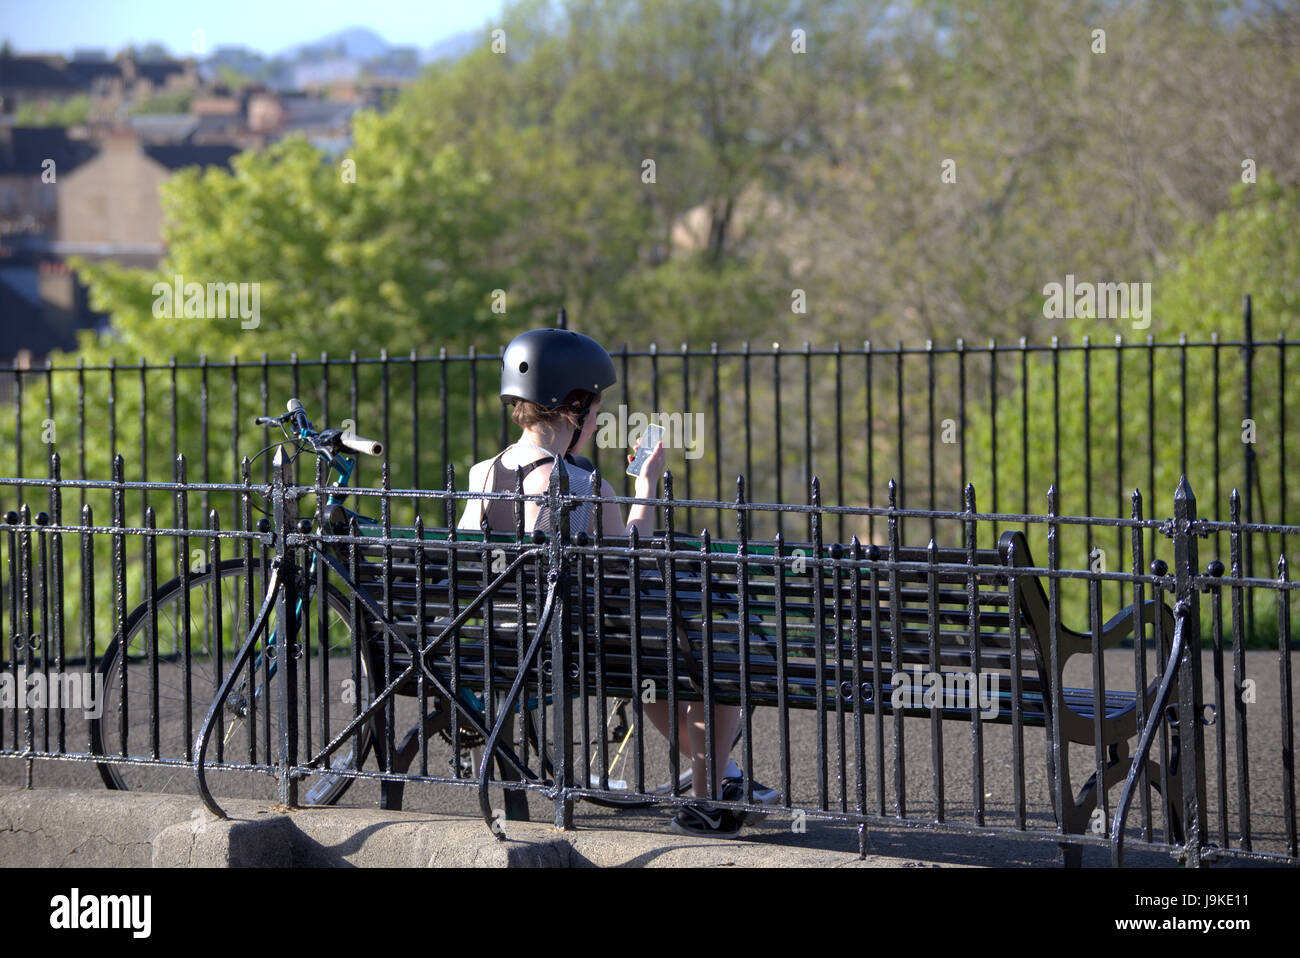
690	738
657	713
726	719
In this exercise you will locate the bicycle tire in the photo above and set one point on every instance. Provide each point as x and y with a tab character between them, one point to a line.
175	739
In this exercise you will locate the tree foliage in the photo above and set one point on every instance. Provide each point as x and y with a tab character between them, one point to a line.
689	170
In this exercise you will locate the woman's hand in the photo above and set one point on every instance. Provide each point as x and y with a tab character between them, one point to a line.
651	473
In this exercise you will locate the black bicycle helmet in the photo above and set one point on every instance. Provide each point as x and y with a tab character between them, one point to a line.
544	366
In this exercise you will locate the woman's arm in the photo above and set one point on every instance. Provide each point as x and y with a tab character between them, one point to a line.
642	516
611	519
473	513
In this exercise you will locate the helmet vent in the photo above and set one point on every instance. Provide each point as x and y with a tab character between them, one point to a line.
523	367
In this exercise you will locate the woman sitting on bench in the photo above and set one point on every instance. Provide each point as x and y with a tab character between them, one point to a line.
554	379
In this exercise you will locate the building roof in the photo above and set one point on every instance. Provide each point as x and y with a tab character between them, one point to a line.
176	156
301	114
38	73
56	73
157	71
217	123
23	326
23	150
324	72
85	72
165	127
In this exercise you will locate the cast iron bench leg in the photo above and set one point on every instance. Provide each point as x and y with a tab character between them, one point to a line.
391	793
1080	817
515	800
1117	767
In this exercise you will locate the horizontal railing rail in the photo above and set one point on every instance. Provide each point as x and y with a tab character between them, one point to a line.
287	650
1088	418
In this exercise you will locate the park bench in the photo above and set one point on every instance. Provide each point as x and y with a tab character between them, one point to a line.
782	628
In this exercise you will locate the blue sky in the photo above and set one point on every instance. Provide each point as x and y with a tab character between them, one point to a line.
57	26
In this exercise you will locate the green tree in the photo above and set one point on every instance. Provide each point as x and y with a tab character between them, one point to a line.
166	101
1250	248
393	257
798	151
68	112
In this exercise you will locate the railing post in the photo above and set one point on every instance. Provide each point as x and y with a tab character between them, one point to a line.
1190	702
1248	448
28	638
557	495
284	510
11	593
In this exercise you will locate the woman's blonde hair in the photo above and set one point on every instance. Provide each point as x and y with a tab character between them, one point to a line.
527	414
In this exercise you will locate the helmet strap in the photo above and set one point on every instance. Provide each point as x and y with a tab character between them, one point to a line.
577	430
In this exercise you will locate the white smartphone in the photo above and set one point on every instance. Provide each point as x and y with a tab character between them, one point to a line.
649	439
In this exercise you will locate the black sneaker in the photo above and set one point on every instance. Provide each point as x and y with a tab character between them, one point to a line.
703	821
733	790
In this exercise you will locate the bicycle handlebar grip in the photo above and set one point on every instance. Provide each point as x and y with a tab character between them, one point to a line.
368	447
299	416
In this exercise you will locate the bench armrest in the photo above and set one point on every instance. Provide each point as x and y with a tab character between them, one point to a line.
1117	628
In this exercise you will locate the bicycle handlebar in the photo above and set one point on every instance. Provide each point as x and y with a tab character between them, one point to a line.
299	415
369	447
330	439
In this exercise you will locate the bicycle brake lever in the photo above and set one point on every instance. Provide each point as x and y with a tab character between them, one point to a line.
327	441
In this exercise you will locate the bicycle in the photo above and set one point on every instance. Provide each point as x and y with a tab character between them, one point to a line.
191	626
177	642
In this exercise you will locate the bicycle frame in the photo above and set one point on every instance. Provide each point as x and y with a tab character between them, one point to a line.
344	467
470	712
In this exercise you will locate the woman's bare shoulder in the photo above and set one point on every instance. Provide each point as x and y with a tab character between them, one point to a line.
537	480
480	474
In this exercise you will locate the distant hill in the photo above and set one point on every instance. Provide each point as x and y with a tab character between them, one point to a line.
356	43
363	44
455	46
359	44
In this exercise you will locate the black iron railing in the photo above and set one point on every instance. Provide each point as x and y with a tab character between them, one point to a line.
296	644
1092	419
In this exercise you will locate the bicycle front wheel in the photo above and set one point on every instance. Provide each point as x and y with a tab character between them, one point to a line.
149	723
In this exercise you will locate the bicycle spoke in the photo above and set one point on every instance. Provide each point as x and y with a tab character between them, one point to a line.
246	705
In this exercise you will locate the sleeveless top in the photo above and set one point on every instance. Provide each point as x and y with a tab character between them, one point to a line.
500	513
